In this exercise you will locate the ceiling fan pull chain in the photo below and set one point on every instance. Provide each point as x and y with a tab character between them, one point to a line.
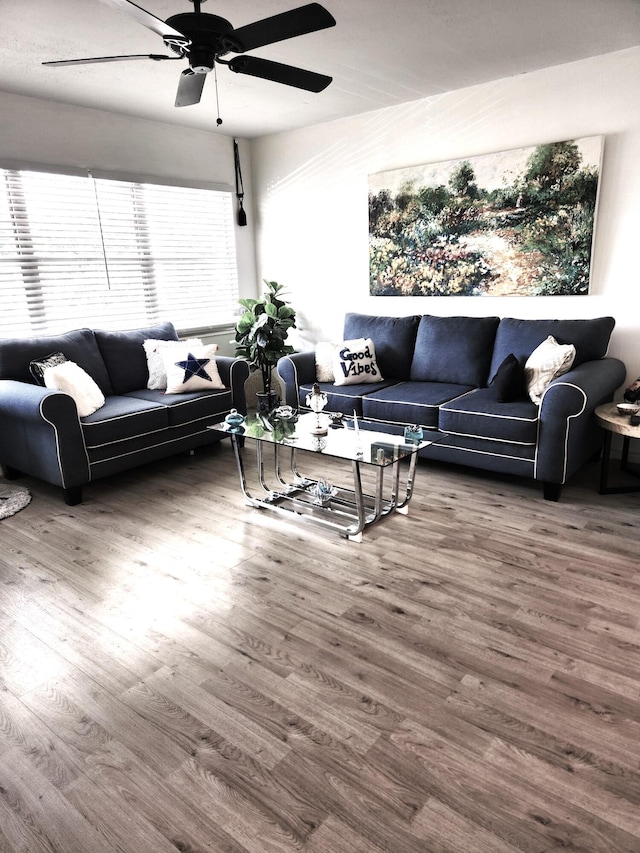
215	77
242	216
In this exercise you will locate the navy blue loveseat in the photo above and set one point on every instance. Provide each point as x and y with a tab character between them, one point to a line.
41	433
438	372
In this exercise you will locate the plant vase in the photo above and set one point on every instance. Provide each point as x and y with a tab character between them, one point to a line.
267	401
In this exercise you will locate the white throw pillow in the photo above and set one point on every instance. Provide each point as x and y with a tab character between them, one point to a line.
73	380
548	361
153	350
325	354
191	369
355	363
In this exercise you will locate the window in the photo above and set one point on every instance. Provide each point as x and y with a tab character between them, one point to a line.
78	251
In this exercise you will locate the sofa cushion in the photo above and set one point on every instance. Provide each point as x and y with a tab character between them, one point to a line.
341	398
79	345
124	355
325	352
207	407
355	363
410	402
71	379
123	418
38	366
479	415
394	339
456	350
509	383
521	337
154	349
546	363
192	369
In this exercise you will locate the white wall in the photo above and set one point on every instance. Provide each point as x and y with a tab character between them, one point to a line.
311	187
43	132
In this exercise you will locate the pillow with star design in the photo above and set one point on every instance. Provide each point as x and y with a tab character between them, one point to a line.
192	369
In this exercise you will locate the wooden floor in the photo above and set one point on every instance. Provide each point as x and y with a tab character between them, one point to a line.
180	672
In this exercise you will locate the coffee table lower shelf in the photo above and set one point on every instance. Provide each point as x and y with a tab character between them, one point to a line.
391	465
349	512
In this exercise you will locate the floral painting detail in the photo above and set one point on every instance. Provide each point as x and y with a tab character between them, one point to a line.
514	223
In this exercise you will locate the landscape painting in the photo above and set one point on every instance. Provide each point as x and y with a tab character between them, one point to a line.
514	223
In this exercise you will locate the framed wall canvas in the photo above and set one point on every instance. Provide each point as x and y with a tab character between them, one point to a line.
513	223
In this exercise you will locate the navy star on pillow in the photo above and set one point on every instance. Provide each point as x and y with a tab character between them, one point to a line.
194	367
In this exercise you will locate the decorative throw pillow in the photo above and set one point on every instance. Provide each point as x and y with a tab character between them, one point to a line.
39	365
508	383
325	354
191	369
355	362
548	361
155	364
70	378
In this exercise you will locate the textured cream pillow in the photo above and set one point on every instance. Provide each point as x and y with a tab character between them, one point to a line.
153	349
548	361
74	381
191	369
325	354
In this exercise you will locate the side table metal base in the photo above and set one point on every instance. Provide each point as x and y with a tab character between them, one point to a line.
605	488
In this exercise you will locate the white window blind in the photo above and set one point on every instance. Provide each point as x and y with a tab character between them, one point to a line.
78	251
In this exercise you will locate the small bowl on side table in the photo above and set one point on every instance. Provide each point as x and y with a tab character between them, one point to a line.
628	409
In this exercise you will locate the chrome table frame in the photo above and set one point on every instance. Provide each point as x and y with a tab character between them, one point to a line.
350	511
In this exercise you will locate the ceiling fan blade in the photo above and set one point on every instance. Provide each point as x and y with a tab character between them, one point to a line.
156	56
296	22
279	73
147	20
190	88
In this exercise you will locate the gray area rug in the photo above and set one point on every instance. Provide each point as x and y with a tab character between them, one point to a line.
13	499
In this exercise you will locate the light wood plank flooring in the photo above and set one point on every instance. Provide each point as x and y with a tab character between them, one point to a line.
179	672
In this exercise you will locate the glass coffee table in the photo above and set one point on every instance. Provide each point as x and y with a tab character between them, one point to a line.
349	511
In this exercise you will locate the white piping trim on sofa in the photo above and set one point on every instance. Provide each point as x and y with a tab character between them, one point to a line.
55	432
549	387
487	438
149	447
481	452
163	429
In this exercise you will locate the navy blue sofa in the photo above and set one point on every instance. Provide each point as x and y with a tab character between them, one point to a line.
42	435
438	372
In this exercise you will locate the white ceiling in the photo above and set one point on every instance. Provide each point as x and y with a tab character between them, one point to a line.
380	53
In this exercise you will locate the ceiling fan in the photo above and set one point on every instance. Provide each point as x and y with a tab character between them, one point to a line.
205	39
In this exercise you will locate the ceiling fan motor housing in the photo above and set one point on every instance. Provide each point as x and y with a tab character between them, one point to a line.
210	37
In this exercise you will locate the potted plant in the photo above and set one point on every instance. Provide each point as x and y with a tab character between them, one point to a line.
261	333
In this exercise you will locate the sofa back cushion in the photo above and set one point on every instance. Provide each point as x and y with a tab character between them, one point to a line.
521	337
79	346
457	350
393	337
124	354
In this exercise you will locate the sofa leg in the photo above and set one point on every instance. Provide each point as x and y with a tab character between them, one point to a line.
551	491
11	473
72	495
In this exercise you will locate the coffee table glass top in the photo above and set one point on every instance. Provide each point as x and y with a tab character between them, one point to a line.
372	443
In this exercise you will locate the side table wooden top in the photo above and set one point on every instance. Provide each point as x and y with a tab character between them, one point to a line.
609	418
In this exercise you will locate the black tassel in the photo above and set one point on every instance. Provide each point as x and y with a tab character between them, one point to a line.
242	216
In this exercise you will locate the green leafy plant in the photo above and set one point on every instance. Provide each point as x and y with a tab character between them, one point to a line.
262	330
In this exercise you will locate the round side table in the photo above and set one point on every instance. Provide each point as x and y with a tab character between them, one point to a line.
612	422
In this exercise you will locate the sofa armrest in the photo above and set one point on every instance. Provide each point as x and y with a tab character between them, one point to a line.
569	434
296	370
41	435
234	372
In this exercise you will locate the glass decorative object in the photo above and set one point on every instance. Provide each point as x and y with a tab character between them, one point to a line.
413	434
316	401
235	422
323	491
